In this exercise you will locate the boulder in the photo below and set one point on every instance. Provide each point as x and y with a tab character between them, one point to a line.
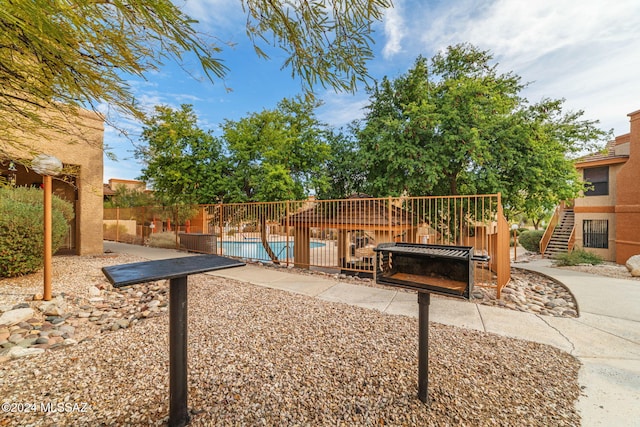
13	317
633	265
55	307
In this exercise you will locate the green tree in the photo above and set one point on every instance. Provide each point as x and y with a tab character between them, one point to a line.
183	163
277	154
531	163
344	170
454	125
129	197
59	55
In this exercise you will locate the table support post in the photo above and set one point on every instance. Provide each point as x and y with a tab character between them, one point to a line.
178	411
424	299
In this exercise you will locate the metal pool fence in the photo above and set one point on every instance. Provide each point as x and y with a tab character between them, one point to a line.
332	235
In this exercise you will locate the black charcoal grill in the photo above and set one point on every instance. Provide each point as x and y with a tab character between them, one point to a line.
436	269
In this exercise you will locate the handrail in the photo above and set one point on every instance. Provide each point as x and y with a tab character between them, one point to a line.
546	237
572	240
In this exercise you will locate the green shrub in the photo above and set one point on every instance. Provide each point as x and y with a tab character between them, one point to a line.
530	240
577	257
21	229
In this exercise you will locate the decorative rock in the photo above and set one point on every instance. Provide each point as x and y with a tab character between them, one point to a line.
38	297
26	325
69	341
16	315
42	340
55	340
21	305
67	329
633	265
26	342
94	292
19	352
15	338
123	323
52	308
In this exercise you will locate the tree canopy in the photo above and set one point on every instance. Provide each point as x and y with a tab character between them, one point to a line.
183	163
454	125
276	154
59	55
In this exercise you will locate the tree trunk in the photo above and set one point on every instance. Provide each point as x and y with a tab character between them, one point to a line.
265	243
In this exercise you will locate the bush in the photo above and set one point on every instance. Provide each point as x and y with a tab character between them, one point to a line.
21	229
530	240
577	257
166	239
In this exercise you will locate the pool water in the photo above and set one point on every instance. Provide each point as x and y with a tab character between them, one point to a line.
253	249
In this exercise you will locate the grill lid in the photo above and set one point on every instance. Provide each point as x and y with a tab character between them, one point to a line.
460	252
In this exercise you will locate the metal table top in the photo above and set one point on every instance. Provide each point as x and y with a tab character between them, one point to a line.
150	271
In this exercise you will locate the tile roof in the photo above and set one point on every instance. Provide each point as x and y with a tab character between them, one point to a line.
607	154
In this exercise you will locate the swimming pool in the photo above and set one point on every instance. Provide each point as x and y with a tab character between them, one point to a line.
253	249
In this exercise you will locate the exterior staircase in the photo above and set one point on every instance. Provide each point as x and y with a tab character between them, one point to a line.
559	242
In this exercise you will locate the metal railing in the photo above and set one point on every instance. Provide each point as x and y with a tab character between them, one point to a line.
334	235
548	232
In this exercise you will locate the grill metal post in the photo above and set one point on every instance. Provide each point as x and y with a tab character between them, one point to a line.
176	270
178	411
424	299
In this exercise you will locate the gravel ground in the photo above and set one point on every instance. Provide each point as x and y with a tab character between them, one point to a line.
266	357
607	269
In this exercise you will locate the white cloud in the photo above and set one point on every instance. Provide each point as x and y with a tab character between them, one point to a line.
393	30
340	109
581	51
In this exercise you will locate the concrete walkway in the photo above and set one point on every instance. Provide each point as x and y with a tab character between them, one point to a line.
605	338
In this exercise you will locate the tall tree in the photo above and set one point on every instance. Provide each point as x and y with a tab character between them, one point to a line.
183	163
454	125
344	170
277	154
58	55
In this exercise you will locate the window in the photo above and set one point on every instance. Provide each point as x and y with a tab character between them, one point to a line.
595	233
597	181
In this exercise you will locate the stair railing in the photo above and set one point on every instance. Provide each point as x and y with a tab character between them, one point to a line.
546	237
572	240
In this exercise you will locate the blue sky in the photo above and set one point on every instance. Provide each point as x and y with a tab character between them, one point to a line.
583	51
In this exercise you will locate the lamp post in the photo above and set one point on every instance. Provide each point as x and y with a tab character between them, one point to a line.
514	227
47	166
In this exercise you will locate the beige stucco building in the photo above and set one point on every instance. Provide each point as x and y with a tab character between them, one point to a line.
79	145
607	216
